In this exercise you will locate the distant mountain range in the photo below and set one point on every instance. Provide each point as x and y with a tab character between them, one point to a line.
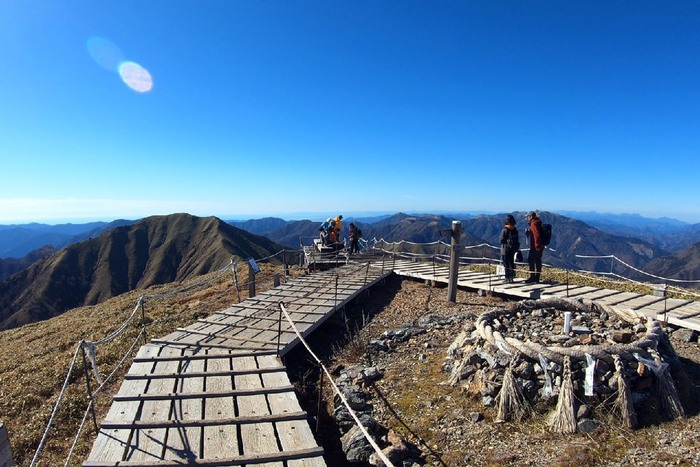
666	233
155	250
89	263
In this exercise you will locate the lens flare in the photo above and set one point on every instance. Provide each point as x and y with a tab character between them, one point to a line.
136	77
105	53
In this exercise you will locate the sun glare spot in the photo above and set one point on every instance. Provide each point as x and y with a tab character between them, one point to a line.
136	77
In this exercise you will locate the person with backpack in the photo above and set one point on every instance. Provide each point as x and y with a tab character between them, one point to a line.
355	235
534	237
510	245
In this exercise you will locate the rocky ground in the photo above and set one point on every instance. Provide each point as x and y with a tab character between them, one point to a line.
393	345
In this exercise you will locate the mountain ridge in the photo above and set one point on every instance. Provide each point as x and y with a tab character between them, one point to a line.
155	250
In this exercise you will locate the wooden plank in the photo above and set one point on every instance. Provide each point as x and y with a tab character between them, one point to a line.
259	438
686	311
688	323
110	445
234	337
258	459
600	293
196	357
293	435
573	290
193	374
184	442
204	394
618	298
220	441
231	345
639	304
150	443
172	423
269	325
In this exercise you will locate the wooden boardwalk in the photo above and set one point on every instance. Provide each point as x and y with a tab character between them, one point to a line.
682	313
216	393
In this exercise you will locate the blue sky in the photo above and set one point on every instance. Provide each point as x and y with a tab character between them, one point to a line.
246	109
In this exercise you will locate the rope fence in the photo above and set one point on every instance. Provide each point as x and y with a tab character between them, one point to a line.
381	246
89	348
337	391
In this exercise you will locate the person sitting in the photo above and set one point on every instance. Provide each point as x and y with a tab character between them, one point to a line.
323	235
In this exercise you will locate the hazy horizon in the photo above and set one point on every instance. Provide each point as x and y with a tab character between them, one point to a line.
320	216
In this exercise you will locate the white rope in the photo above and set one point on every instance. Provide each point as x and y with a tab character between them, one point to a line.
128	352
121	329
665	279
55	409
368	437
77	435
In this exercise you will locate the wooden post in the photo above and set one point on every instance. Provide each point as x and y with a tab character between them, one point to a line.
454	261
89	387
320	401
276	282
251	282
5	449
279	329
234	268
143	320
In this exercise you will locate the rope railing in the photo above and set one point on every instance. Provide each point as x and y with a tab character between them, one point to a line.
337	391
373	244
665	279
55	408
89	348
614	258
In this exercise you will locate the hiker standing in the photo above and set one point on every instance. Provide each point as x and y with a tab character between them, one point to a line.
355	234
510	245
338	226
534	238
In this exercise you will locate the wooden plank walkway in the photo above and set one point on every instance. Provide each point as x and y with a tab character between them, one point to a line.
682	313
216	393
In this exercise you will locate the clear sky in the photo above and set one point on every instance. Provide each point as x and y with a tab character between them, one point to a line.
127	108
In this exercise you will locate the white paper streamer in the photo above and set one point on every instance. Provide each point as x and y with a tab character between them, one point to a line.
547	390
590	375
567	322
90	351
657	369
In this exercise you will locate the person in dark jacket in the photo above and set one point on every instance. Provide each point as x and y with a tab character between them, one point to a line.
510	245
354	238
534	237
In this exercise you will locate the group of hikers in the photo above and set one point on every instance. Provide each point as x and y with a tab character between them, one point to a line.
330	234
536	238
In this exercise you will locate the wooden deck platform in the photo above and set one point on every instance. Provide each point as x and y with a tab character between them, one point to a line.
216	393
682	313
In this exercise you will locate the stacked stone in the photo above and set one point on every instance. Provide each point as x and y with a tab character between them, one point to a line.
530	339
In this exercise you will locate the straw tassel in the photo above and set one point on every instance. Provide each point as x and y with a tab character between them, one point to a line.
564	420
671	406
512	404
624	396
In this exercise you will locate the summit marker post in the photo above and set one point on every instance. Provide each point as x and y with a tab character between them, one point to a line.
455	234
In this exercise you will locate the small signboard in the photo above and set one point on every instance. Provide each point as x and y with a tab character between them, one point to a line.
253	266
